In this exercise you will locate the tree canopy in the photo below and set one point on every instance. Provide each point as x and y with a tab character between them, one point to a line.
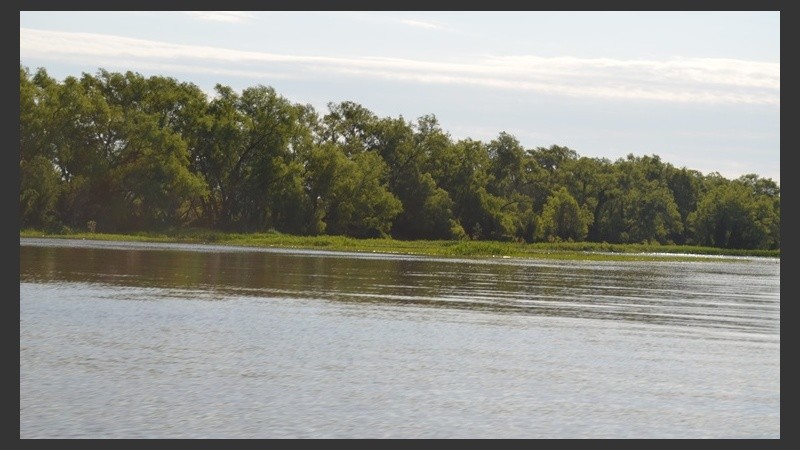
120	152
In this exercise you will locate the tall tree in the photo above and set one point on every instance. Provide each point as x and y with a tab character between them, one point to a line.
39	192
685	186
732	215
349	125
149	182
427	209
477	210
248	155
360	203
563	219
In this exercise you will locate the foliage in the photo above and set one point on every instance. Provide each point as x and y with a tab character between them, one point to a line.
600	251
564	219
123	153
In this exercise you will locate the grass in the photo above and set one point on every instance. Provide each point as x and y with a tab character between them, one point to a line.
542	250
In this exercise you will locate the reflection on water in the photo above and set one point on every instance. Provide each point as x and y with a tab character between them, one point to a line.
738	297
169	340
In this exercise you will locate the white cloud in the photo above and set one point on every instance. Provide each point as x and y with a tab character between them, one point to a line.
221	16
703	80
420	24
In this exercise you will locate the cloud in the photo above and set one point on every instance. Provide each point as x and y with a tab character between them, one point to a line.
221	16
420	24
697	80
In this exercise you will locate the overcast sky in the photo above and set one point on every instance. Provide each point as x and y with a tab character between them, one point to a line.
699	89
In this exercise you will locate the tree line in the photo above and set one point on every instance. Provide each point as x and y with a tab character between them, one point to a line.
120	152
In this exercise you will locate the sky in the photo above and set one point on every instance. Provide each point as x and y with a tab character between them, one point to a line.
699	89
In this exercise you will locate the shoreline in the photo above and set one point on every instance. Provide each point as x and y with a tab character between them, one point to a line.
455	249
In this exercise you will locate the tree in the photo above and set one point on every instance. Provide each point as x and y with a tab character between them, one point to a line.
427	209
553	157
62	123
152	177
144	179
505	165
651	214
124	152
637	204
685	186
359	202
478	212
563	219
39	191
589	181
349	125
733	215
250	154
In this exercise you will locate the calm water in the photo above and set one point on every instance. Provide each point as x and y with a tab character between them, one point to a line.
128	340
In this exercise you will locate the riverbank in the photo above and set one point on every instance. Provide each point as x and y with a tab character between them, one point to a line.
542	250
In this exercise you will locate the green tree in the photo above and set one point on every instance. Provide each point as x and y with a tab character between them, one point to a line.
427	209
152	177
731	215
360	203
477	211
39	191
651	213
767	195
547	169
637	205
349	125
64	124
589	181
553	157
250	153
144	180
324	166
685	186
506	157
39	179
563	219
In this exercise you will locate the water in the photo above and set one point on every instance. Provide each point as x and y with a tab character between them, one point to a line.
128	340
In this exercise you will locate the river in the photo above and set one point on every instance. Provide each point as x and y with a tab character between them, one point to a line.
144	340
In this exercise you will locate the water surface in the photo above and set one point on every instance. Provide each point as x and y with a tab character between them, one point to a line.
174	340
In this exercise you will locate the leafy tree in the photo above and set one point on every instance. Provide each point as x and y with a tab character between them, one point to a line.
39	191
145	179
62	123
518	182
478	211
768	208
349	125
125	152
553	157
563	219
248	153
153	177
268	179
547	170
638	206
733	215
760	186
685	186
505	165
360	203
589	181
651	213
427	209
39	179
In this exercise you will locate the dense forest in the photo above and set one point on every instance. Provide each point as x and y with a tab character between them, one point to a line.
120	152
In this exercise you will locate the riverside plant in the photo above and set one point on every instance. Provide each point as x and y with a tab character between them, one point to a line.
438	248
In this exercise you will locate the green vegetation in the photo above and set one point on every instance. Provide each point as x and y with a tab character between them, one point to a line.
444	248
121	153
